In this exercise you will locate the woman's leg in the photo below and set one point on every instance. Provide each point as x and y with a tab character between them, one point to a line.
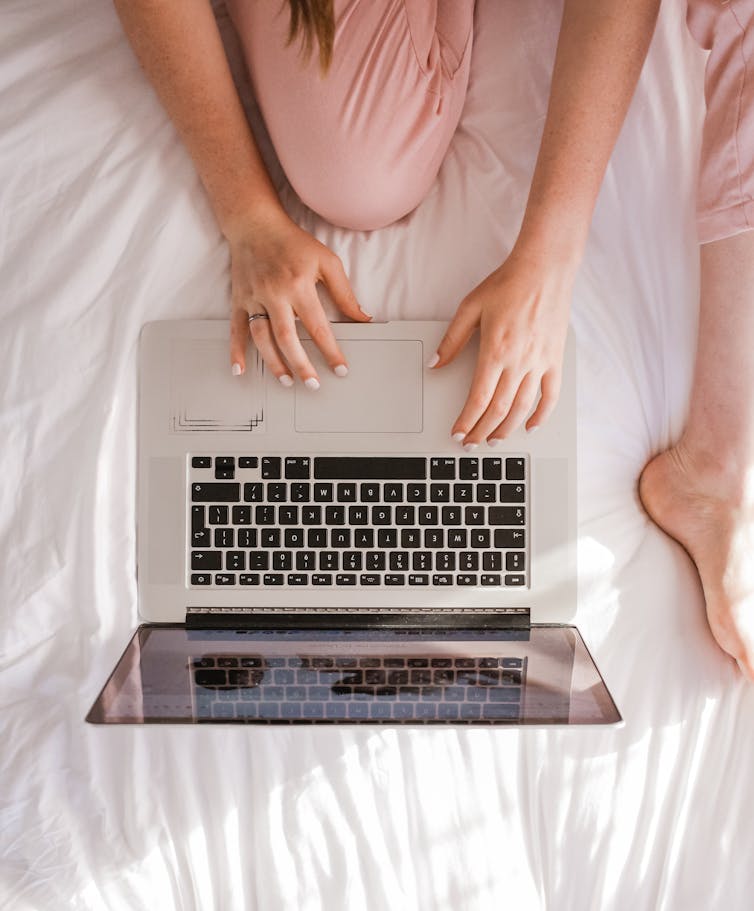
701	491
363	144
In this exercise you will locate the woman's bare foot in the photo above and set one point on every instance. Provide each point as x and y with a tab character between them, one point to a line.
710	513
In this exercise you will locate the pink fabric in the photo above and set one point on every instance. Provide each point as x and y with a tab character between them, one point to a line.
363	145
726	179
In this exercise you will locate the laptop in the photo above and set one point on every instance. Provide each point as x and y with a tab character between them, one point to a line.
333	557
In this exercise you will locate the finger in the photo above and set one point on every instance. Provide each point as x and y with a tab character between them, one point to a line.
334	276
239	340
284	331
318	326
261	334
496	410
487	375
456	336
550	393
519	408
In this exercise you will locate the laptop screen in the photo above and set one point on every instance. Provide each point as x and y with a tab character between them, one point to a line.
539	675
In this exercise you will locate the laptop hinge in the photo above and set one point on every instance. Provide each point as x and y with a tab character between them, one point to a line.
408	618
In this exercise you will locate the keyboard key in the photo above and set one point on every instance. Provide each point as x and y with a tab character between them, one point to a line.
282	559
225	474
387	538
225	579
468	561
201	578
418	579
298	579
434	537
474	515
249	578
392	493
515	580
416	493
466	579
340	537
277	492
352	559
457	537
382	515
514	562
427	515
235	559
492	469
301	493
507	515
248	462
265	515
311	515
346	493
395	579
445	561
288	515
509	539
369	579
463	493
293	537
451	515
335	515
480	537
421	561
439	493
512	493
398	560
492	560
405	515
273	579
297	468
468	469
218	515
316	537
358	515
328	560
206	560
491	579
323	493
247	537
375	468
259	559
197	518
241	515
442	579
201	462
305	559
410	537
515	469
370	493
201	538
321	579
270	537
345	579
363	538
375	560
253	493
270	468
442	469
485	493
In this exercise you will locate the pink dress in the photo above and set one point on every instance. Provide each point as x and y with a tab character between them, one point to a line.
363	145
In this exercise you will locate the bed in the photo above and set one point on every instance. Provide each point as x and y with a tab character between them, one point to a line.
104	226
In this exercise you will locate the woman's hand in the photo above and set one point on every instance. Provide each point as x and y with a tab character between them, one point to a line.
275	267
521	310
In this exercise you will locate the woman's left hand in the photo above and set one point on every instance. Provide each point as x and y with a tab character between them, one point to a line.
522	311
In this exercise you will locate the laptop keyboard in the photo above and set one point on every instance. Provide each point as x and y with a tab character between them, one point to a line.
271	521
358	688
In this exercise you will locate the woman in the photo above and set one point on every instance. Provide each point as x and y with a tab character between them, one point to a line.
361	127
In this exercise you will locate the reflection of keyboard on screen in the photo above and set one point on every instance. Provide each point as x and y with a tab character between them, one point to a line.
384	688
358	521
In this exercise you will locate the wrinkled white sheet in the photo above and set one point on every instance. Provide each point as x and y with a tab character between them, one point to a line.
103	226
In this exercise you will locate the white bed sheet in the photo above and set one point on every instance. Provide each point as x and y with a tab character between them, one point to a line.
103	226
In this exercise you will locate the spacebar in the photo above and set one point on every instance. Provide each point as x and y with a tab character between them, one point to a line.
377	468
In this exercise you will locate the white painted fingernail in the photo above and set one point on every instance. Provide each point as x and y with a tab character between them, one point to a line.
341	370
457	437
286	380
236	370
311	383
494	442
470	447
532	429
433	361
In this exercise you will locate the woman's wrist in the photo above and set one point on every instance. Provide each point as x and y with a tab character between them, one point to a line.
251	217
554	242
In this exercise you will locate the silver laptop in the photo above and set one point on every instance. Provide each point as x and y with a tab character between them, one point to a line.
334	557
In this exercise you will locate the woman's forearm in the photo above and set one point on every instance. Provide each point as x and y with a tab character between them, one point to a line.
178	44
601	50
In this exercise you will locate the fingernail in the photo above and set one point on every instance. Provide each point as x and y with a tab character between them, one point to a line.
470	447
457	437
340	370
367	315
236	370
286	380
311	383
433	361
532	429
494	442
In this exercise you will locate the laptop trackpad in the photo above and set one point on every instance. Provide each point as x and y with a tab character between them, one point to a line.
381	394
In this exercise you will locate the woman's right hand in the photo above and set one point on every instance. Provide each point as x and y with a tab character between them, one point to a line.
275	267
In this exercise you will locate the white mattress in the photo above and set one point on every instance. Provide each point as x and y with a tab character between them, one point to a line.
103	226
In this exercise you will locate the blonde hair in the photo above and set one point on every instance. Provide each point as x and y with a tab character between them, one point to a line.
313	18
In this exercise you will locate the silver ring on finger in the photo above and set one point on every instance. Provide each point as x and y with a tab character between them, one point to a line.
253	316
